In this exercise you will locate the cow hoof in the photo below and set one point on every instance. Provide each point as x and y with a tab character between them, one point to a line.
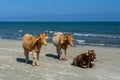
61	58
37	64
66	58
33	64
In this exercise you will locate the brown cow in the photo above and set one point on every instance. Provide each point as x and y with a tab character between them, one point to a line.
84	60
33	43
61	41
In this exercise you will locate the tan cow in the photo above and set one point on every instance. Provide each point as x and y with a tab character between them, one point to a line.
33	44
61	41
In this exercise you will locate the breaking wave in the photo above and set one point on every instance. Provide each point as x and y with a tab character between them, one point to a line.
99	35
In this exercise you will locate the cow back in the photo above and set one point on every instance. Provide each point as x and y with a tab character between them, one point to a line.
28	41
56	38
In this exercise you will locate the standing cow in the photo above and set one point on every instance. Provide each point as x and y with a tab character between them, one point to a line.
33	44
61	41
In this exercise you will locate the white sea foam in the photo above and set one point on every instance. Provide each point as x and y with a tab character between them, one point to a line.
51	31
96	44
99	35
20	30
80	41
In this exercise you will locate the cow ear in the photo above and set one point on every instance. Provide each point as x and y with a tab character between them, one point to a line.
93	50
70	35
89	51
40	36
46	36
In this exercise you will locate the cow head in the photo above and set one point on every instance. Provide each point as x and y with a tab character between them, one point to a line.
42	37
92	55
67	38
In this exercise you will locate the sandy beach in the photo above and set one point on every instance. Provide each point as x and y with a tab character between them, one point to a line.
12	66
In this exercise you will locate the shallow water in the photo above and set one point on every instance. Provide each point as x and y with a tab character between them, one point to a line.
85	33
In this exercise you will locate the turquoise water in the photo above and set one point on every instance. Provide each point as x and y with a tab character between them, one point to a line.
85	33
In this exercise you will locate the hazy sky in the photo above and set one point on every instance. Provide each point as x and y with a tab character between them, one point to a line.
59	10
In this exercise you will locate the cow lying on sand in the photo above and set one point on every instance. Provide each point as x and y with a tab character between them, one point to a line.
84	60
61	41
33	43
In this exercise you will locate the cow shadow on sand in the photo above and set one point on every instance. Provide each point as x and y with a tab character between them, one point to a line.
22	60
52	56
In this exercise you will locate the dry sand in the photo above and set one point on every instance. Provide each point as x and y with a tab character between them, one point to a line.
12	66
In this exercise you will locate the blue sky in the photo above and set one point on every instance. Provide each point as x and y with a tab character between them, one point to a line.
59	10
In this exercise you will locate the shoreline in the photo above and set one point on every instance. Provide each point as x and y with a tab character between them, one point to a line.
75	45
51	68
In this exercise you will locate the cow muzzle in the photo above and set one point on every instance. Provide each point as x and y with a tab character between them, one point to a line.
45	44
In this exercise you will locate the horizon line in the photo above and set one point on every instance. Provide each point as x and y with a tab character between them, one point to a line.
59	21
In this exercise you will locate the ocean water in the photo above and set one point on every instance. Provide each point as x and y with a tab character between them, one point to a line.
85	33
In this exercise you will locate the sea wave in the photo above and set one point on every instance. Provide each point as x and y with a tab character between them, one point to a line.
20	30
93	44
99	35
95	39
51	32
83	42
19	38
80	41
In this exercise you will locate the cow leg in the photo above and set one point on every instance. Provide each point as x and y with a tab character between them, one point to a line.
37	63
61	54
26	56
82	65
58	51
91	65
34	54
66	55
